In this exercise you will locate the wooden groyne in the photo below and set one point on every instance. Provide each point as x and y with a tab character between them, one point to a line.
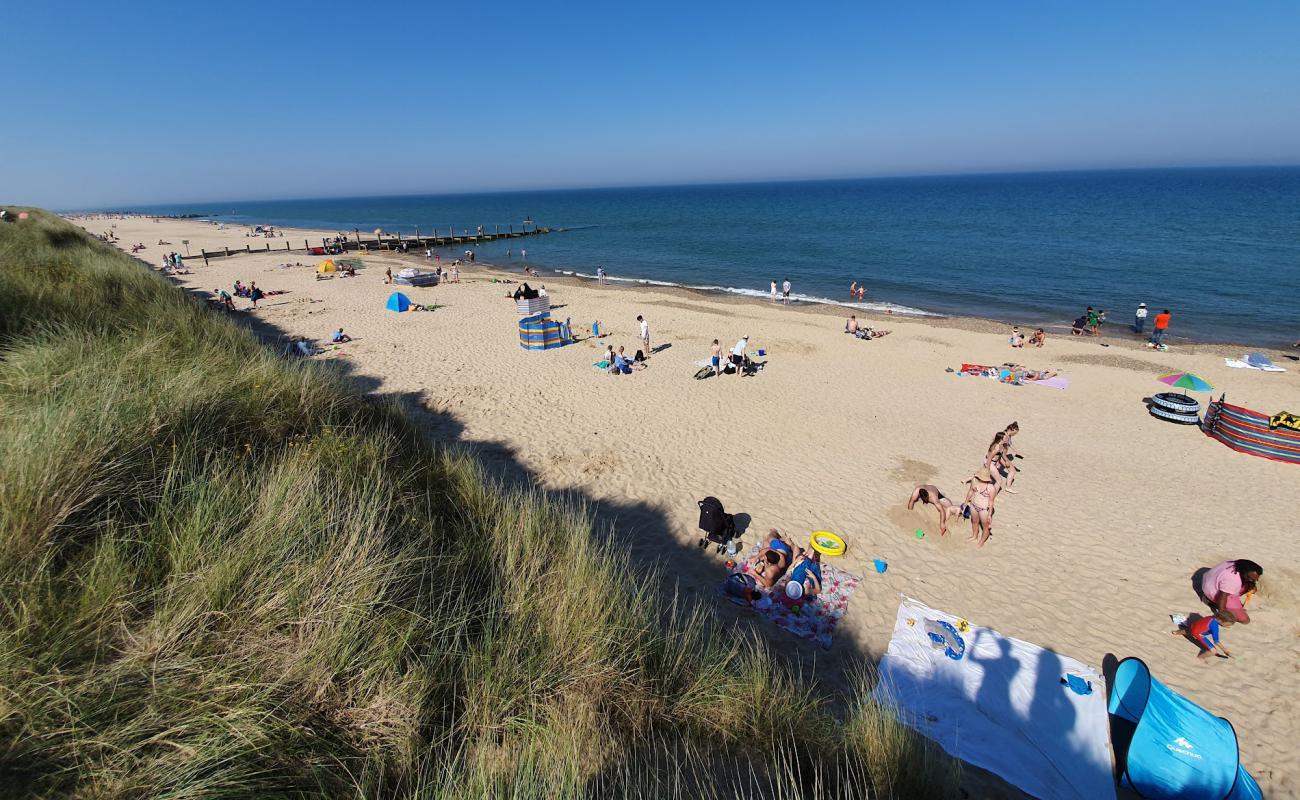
358	243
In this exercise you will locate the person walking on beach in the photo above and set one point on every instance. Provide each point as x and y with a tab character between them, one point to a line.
645	333
254	293
1140	318
1161	328
785	292
715	357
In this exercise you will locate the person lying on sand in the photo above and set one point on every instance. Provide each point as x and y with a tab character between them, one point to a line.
807	569
769	564
930	495
980	495
1204	633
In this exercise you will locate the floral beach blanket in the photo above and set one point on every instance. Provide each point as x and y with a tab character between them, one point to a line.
808	619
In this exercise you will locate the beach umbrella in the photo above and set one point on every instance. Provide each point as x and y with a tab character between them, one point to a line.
1186	381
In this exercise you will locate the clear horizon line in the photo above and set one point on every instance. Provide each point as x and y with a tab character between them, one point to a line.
699	184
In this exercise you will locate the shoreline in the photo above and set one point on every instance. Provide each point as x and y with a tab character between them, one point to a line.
834	433
1114	331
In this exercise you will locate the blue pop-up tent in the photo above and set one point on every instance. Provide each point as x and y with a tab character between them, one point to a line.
398	302
1178	749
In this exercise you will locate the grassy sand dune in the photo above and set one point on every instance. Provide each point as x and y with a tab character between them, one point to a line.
227	574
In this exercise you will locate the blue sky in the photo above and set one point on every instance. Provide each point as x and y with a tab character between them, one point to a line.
114	104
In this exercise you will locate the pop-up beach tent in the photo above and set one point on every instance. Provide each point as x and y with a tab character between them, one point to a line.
326	266
398	302
1178	749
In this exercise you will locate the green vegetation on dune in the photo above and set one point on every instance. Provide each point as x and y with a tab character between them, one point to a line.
227	574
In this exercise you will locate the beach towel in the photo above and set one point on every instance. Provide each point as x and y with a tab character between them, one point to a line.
1263	363
1053	383
1035	717
816	618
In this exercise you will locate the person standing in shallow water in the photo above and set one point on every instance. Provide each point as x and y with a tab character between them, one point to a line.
1140	318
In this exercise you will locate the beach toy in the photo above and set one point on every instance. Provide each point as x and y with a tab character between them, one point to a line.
827	543
920	534
794	590
762	352
881	566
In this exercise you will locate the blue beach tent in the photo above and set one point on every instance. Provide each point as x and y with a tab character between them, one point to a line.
398	302
1178	749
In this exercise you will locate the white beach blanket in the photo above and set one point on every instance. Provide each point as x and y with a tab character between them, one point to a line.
1000	703
1241	363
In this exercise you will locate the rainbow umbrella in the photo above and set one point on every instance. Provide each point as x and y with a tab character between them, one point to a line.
1186	381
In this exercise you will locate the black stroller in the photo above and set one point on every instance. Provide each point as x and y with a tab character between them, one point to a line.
719	527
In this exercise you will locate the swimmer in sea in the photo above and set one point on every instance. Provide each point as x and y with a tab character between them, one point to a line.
930	495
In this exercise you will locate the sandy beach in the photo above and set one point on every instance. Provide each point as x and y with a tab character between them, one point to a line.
1115	509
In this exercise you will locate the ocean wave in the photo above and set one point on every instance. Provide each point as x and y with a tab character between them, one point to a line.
882	307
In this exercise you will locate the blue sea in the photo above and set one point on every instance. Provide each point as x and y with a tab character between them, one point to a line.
1219	247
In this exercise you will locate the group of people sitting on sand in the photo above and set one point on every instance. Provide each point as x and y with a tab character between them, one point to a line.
996	475
1036	339
173	264
619	364
775	560
779	557
861	331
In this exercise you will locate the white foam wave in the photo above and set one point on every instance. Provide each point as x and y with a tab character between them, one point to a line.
882	307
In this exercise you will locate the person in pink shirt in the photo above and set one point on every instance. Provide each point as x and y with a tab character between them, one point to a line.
1223	585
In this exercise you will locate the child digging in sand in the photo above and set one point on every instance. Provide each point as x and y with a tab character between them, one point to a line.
1205	633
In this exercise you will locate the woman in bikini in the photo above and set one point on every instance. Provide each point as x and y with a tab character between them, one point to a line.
997	460
930	495
769	564
980	495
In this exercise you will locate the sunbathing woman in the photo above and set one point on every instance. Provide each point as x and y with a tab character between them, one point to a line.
770	563
980	495
930	495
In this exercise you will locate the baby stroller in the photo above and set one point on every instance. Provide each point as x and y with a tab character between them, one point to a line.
719	527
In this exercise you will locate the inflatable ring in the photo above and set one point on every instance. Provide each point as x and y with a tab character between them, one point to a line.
1173	416
827	543
1176	403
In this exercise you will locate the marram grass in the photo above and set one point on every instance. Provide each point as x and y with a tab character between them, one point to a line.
225	574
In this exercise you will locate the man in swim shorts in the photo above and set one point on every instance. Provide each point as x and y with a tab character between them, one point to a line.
930	495
808	571
715	357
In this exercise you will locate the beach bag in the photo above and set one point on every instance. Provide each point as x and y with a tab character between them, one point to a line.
719	527
741	586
